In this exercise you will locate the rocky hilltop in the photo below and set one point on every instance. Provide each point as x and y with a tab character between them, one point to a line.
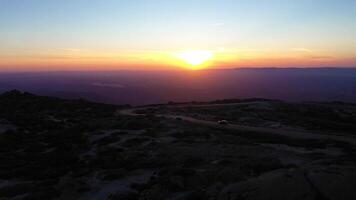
53	148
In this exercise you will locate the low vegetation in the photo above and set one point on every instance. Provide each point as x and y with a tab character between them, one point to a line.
75	149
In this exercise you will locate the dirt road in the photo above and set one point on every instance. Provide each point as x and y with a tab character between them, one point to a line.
288	133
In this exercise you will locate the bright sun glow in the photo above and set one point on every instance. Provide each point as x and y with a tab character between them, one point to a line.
195	57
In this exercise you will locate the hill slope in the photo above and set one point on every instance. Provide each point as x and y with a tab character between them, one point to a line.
73	149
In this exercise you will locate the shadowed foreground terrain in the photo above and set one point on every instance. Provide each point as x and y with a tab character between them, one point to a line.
74	149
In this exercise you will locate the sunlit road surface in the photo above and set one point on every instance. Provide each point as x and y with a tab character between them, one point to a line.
264	130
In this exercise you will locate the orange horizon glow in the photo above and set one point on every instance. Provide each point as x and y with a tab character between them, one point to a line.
77	59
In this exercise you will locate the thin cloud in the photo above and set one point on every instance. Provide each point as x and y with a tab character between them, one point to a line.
71	49
322	57
302	50
217	24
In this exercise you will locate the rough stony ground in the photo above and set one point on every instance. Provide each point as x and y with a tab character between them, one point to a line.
79	150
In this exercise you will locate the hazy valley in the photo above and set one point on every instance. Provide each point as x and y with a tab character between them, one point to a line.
150	87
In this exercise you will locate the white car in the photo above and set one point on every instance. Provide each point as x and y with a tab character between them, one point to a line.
223	122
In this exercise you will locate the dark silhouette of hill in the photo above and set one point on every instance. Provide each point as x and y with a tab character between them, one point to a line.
52	148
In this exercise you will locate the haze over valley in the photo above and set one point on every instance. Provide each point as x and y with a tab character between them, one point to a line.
151	87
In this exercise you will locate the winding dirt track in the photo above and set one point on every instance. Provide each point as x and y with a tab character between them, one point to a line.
264	130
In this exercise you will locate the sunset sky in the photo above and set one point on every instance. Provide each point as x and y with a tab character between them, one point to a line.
175	34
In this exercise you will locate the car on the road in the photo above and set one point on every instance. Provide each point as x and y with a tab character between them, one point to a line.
223	122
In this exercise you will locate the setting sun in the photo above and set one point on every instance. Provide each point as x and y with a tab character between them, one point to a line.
195	57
